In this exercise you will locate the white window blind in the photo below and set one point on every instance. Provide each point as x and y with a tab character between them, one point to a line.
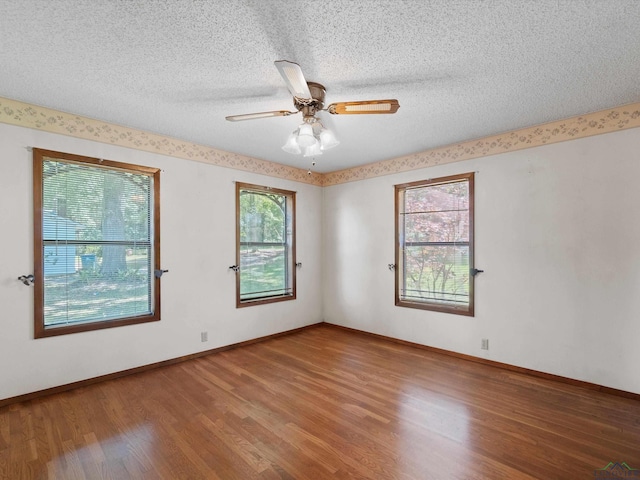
97	243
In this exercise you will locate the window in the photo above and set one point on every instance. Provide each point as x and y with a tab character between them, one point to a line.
265	253
434	244
96	243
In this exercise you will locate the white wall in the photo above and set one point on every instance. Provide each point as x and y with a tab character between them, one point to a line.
197	246
558	235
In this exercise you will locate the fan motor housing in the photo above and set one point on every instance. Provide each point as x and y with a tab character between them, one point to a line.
309	108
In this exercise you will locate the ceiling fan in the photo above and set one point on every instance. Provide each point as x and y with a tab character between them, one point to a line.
311	138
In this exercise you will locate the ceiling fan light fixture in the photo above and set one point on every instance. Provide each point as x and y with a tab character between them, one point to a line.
291	146
305	136
311	138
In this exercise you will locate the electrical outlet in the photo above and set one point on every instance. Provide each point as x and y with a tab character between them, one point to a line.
204	336
485	344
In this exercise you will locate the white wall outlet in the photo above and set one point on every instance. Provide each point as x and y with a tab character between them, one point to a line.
485	344
204	336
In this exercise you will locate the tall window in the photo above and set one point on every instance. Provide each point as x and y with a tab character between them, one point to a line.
96	243
434	244
266	255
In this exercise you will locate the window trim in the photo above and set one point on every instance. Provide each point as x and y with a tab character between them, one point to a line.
279	298
424	305
40	329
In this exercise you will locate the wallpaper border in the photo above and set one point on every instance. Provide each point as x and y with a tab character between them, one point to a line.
22	114
596	123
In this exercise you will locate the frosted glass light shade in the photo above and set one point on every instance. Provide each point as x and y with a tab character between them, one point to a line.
328	139
305	136
310	139
292	146
313	151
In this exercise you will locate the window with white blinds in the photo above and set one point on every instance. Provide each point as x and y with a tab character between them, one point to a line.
96	243
434	244
265	231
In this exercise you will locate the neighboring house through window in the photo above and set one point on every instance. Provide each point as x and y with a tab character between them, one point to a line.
434	244
265	253
96	243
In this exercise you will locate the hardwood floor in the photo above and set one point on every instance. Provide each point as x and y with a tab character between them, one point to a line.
323	403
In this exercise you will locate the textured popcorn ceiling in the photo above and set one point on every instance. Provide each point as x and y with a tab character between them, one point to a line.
460	69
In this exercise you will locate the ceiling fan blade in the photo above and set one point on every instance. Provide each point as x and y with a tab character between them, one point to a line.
364	107
253	116
293	77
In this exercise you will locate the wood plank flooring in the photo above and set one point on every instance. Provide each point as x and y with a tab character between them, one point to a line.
323	403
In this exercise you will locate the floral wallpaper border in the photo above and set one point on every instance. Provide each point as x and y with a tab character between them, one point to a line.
605	121
25	115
